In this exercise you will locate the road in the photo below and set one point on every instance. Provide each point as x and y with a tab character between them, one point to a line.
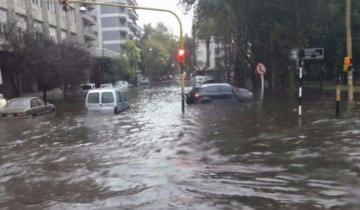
216	156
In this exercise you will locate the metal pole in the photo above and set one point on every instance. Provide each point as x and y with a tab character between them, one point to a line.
349	50
300	87
338	93
181	41
262	87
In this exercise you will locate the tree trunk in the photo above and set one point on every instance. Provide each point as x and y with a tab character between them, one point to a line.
44	95
208	53
273	68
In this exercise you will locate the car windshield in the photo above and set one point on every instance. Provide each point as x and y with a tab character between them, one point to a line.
107	97
17	104
93	98
86	87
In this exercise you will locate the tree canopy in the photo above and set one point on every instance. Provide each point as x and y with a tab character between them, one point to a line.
267	30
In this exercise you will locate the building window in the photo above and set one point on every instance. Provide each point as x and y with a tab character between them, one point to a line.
51	5
112	22
113	47
72	14
111	10
114	35
36	2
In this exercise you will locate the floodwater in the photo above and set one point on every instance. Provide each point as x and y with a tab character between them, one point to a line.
216	156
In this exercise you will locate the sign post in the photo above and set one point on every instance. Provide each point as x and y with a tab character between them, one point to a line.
300	55
261	70
1	80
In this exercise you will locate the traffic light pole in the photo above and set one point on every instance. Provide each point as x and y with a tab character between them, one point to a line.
66	3
349	50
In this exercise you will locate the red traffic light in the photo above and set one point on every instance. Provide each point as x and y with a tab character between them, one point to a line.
180	56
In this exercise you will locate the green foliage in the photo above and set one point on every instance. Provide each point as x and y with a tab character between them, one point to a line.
266	31
158	48
124	67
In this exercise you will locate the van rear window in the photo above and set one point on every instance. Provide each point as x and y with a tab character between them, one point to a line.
93	98
107	97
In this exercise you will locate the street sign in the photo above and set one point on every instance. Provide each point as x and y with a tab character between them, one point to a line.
260	69
1	80
313	53
307	54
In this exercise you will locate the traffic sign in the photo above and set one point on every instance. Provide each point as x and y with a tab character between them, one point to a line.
260	69
307	54
313	54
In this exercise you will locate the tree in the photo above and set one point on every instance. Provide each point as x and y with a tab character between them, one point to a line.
266	31
158	51
34	56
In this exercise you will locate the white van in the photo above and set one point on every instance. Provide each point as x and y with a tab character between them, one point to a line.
106	100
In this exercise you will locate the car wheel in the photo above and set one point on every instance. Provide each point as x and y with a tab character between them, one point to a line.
115	110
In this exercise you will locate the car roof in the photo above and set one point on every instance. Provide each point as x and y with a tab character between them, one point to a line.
24	98
215	84
101	90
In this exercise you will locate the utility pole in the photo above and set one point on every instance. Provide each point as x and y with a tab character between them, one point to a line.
349	50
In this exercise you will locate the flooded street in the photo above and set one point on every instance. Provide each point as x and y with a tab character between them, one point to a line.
216	156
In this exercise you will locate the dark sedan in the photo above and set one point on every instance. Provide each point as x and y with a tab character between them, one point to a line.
217	91
24	107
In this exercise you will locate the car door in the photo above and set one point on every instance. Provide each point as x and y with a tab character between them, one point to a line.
108	100
93	101
35	107
43	108
121	101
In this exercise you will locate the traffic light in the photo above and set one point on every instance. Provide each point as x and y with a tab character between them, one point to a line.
347	64
180	56
65	4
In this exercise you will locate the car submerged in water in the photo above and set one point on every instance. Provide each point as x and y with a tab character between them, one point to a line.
106	100
217	91
26	107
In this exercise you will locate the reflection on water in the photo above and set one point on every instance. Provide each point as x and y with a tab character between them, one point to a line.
216	156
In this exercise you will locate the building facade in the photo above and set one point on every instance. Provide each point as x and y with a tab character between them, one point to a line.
215	54
115	25
48	17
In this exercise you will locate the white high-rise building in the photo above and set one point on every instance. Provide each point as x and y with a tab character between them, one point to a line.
115	25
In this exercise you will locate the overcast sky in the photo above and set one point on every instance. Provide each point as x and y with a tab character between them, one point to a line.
167	19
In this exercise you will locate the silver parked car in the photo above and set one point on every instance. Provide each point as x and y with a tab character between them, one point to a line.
217	91
25	107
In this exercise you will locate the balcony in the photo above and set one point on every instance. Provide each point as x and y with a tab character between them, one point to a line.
89	34
89	19
133	14
132	2
135	28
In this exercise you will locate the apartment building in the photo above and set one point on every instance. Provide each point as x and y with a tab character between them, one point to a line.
115	25
48	17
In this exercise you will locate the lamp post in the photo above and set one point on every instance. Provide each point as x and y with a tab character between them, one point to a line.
66	3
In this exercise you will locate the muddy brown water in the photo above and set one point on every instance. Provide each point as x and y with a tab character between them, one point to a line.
216	156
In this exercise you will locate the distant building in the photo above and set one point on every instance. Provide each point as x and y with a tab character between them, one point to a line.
115	26
216	54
